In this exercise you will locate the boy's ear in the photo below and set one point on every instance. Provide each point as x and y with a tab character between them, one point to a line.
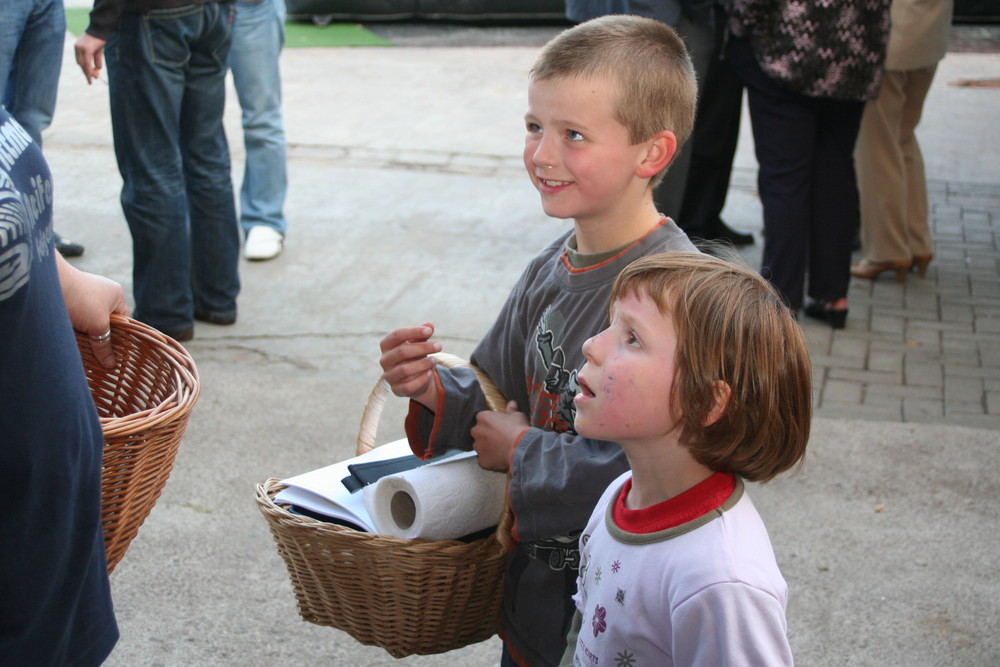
661	150
720	397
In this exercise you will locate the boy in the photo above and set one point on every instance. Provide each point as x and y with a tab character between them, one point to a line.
703	377
610	101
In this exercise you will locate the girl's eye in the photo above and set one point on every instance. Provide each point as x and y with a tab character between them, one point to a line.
534	128
573	135
631	339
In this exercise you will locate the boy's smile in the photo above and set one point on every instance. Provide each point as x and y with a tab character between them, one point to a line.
578	154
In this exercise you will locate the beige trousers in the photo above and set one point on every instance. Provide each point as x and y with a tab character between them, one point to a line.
890	170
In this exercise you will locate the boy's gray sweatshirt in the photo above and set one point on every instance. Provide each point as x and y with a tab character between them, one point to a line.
532	353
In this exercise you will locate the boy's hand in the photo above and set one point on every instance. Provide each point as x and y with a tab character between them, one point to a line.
495	436
406	365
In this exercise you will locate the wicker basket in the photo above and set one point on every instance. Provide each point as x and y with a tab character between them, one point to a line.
144	404
407	596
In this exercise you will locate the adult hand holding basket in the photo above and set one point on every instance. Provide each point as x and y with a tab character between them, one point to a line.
407	596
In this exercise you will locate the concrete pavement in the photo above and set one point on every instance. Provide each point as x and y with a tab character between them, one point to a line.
407	204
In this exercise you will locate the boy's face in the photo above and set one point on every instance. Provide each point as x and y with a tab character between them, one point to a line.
626	384
577	154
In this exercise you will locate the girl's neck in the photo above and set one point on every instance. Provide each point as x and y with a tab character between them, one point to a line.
659	474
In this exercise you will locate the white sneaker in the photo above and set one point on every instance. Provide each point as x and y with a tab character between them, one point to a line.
262	242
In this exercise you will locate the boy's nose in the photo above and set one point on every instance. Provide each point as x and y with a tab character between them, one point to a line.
543	156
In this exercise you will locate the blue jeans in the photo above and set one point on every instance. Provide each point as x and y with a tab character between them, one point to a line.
32	33
258	36
166	70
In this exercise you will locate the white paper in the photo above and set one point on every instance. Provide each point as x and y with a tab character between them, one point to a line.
322	490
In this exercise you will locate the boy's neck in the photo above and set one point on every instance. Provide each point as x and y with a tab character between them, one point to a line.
617	229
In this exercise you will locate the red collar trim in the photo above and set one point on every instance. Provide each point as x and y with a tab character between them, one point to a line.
569	267
688	506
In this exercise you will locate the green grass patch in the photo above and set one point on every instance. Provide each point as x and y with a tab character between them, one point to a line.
77	19
297	33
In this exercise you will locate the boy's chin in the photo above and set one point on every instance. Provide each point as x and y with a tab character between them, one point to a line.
558	212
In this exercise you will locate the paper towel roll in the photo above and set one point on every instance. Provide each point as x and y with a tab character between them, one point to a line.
439	502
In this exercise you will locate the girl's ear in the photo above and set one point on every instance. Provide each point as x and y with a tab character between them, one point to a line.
659	152
721	394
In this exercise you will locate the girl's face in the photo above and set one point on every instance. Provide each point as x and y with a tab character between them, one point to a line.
577	154
627	383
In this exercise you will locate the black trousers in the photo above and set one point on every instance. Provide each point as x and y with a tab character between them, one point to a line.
805	153
713	142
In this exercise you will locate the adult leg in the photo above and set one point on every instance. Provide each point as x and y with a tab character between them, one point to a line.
713	146
215	235
834	202
699	37
881	174
258	37
784	130
32	35
146	57
916	86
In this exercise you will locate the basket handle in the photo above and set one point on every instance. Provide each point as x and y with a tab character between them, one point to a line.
381	391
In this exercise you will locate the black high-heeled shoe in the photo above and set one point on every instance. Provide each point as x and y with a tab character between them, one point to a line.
821	310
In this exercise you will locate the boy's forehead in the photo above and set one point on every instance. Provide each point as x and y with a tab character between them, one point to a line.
580	82
581	95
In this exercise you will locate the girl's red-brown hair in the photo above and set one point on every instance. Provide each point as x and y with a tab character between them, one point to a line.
732	326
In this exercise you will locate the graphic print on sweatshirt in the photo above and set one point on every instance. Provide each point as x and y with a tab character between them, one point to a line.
553	396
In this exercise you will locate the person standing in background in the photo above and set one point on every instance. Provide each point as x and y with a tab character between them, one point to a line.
167	84
895	231
808	70
32	34
258	37
713	147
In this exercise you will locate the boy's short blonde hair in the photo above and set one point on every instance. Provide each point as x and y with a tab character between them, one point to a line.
643	58
732	326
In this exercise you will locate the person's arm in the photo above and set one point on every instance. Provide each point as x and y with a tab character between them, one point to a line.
571	637
89	47
445	425
90	300
557	479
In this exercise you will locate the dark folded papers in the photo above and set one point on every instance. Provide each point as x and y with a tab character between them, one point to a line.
363	474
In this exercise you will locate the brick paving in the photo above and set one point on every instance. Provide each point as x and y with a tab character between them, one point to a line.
927	350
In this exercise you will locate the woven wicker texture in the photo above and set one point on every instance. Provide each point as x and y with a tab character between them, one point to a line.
144	404
407	596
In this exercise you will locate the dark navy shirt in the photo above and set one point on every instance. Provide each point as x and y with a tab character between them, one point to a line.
56	606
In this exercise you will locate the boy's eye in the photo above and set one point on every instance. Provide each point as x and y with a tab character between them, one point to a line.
534	127
631	339
573	135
